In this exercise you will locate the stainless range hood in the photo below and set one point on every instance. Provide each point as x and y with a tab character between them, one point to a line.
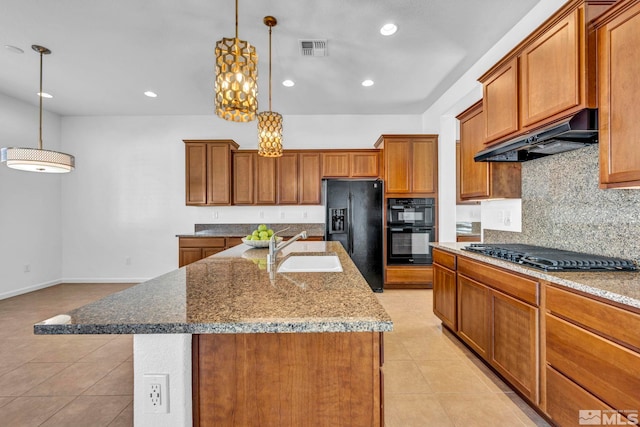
575	132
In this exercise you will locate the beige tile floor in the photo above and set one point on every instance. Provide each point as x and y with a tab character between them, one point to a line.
68	381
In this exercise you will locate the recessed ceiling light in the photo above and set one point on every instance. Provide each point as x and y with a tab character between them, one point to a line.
13	49
367	83
45	95
288	83
151	94
388	29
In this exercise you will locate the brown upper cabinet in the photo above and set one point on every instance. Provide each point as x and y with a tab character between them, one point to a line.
291	179
244	168
208	171
410	164
483	180
351	164
549	76
618	33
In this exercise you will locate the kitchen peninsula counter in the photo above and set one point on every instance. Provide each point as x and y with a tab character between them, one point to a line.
231	292
617	286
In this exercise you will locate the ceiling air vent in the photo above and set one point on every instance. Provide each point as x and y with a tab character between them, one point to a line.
313	47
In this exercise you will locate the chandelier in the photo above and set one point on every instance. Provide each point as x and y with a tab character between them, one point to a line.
270	122
37	160
236	79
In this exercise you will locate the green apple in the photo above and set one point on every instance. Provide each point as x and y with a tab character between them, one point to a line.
264	235
249	237
255	233
262	227
270	231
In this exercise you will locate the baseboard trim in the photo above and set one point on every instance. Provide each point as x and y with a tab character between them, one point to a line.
88	280
28	289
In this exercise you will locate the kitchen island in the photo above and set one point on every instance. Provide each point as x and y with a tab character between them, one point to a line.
242	346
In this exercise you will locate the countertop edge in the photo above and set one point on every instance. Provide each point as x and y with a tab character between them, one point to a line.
239	328
549	277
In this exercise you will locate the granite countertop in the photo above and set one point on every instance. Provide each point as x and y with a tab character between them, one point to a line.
242	230
232	292
618	286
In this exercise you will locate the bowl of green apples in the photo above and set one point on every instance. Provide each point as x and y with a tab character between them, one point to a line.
260	237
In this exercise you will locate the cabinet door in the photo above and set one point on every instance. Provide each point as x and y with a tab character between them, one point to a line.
397	155
335	165
365	164
243	172
196	173
474	176
206	252
218	174
445	295
619	92
424	165
514	351
310	183
474	315
288	179
550	72
189	255
265	180
500	102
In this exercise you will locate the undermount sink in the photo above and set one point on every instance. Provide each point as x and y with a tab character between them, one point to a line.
311	264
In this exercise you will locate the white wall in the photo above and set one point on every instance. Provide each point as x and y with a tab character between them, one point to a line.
463	94
29	204
124	203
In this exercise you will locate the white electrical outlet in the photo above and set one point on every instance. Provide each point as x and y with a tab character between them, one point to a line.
156	392
281	215
261	214
304	215
27	268
127	261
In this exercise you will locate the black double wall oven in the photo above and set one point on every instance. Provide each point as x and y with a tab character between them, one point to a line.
410	229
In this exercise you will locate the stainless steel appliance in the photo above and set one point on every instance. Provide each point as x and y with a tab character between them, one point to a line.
354	218
413	211
549	259
409	245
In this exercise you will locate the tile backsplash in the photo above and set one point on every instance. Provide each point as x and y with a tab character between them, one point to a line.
562	207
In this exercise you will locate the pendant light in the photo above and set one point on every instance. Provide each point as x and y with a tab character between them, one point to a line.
270	122
38	160
236	79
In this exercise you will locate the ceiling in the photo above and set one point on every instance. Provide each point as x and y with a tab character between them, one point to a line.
105	54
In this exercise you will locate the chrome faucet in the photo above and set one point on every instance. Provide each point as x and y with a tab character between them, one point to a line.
274	248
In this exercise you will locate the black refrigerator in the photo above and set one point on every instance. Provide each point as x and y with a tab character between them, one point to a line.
354	218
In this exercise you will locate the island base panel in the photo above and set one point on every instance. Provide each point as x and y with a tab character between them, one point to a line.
320	379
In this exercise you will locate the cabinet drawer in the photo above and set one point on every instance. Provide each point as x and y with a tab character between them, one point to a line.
202	242
417	275
565	399
612	322
446	259
607	370
233	241
512	284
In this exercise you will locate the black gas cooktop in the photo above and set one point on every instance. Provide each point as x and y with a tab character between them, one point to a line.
549	259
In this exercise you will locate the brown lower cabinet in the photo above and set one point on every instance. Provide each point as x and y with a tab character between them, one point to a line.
562	350
192	249
281	380
408	277
496	316
592	351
